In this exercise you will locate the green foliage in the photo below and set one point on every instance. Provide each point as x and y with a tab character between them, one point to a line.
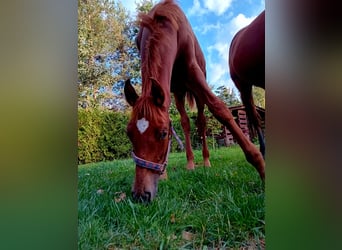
213	127
227	95
176	123
106	50
100	25
221	207
145	5
102	135
259	96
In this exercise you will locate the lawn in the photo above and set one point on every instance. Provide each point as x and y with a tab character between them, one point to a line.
218	207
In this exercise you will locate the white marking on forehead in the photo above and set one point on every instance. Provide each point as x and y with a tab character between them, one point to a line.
142	125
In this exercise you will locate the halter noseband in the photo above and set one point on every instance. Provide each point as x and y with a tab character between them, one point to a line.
159	167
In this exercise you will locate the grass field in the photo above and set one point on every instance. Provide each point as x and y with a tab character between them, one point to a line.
218	207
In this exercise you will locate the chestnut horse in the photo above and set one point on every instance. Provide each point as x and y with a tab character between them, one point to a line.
171	61
247	68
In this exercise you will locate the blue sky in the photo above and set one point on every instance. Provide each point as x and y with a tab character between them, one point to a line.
215	22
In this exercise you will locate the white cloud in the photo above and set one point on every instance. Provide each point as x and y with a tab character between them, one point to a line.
217	52
196	9
239	22
217	71
205	28
221	48
217	65
217	6
218	75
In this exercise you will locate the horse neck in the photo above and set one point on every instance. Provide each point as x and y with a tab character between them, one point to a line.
162	73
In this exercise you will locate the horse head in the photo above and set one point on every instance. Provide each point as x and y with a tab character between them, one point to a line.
149	130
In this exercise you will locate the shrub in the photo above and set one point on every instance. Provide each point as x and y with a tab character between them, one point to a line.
102	135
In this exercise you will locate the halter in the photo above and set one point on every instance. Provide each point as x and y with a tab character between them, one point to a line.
159	167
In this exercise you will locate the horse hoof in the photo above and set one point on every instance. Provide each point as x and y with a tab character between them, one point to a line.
190	166
207	163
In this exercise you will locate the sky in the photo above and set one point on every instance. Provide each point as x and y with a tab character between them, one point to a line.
214	23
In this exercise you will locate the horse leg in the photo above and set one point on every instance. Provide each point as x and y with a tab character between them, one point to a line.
201	126
185	122
252	114
224	116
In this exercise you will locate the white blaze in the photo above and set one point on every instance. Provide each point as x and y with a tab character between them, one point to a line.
142	125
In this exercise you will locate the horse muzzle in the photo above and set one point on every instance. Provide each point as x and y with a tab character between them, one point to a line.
142	197
145	184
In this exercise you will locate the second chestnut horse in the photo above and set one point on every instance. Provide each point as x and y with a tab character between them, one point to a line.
247	68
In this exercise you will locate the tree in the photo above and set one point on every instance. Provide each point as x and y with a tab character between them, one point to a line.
259	96
145	5
227	95
107	54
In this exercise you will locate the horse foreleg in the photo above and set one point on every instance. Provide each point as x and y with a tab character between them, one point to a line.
201	126
224	116
185	122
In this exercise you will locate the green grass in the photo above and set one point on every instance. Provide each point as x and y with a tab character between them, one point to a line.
221	207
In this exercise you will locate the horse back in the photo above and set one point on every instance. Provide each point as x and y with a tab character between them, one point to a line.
247	53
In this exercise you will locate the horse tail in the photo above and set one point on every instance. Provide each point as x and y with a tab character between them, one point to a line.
248	101
251	112
190	98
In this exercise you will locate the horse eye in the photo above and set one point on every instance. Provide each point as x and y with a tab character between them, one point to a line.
163	134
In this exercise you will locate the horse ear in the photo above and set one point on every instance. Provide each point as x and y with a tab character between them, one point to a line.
157	93
130	94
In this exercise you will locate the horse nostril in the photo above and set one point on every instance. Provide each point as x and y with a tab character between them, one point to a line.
147	196
144	197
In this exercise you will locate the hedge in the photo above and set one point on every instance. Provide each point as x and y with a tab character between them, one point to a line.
102	135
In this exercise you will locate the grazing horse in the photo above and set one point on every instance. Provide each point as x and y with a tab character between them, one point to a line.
171	61
247	68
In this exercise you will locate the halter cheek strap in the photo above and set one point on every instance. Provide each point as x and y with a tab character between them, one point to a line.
159	167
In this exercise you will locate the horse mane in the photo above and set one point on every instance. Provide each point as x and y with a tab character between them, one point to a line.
164	12
144	107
